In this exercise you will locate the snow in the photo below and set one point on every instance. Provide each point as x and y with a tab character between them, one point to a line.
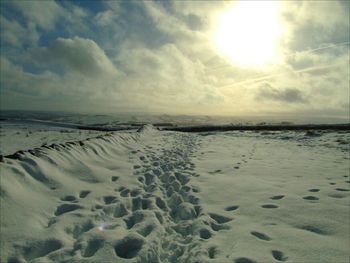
24	135
161	196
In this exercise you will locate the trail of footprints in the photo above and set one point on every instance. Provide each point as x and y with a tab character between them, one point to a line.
245	157
165	206
238	165
166	178
276	254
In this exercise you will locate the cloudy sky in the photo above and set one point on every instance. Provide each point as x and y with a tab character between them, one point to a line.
226	58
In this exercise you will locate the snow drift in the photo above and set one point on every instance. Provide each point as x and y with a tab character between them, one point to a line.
153	196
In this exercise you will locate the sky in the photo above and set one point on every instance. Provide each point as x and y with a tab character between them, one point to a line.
177	57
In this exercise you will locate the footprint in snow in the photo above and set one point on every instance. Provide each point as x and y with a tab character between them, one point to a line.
231	208
205	233
69	198
124	192
129	246
278	255
342	189
311	198
244	260
65	208
314	190
38	249
114	178
92	247
277	197
220	219
269	206
109	199
261	236
212	252
84	193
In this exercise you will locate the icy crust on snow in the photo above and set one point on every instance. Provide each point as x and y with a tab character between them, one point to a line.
154	196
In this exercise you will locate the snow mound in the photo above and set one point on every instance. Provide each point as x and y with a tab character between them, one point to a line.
90	202
148	128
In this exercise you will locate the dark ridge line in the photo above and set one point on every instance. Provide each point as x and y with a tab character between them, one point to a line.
296	127
123	126
196	128
107	129
132	126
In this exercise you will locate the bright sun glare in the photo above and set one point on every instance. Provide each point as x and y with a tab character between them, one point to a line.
248	33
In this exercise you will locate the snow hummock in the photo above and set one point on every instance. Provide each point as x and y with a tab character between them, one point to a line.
25	135
161	196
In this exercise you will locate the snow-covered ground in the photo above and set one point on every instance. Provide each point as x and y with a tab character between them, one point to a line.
157	196
16	136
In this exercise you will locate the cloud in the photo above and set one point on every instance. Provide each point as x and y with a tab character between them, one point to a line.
204	9
77	54
105	18
15	80
286	95
40	20
160	56
312	24
168	75
44	15
47	90
15	35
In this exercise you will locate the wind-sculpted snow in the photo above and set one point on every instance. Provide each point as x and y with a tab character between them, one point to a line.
22	135
116	197
159	196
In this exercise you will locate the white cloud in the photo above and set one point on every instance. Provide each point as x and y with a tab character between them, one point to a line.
312	24
105	18
15	34
168	75
43	14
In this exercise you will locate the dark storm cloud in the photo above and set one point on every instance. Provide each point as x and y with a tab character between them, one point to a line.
288	95
77	54
194	22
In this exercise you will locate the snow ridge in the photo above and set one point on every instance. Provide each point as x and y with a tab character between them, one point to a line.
102	205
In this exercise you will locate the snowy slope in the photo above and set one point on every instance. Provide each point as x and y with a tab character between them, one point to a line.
157	196
16	136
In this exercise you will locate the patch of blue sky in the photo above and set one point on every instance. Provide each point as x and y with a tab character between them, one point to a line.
94	6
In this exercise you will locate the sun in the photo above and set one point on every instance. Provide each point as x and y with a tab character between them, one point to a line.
248	33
